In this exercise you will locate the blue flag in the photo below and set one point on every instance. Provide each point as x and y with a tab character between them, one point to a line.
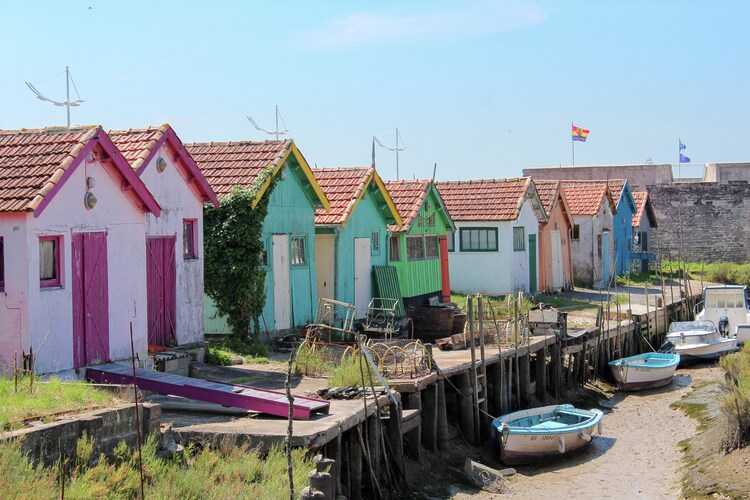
682	146
684	159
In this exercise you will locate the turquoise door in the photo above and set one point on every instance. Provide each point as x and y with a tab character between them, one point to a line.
532	263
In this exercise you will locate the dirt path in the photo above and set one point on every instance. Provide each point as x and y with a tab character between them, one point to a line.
636	457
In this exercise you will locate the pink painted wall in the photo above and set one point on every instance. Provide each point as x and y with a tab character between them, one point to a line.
50	310
178	202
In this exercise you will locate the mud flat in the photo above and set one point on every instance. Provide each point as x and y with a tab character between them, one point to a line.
638	455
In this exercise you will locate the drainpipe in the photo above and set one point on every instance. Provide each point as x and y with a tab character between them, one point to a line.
444	271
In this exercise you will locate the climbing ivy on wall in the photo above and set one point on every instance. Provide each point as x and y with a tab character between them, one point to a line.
234	252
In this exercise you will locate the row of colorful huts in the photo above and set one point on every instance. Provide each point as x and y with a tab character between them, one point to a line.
101	230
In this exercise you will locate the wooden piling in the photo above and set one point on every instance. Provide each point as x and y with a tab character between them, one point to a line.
395	438
540	368
355	466
442	418
555	361
373	437
430	418
524	382
464	406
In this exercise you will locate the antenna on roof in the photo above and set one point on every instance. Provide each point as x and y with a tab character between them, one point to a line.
396	149
67	102
276	132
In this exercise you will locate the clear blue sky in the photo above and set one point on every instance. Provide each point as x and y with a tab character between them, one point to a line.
484	89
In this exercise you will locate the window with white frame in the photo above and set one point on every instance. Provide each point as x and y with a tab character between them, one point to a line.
414	247
298	251
519	239
478	239
50	253
189	238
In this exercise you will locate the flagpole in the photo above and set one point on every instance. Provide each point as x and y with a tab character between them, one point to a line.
572	144
679	163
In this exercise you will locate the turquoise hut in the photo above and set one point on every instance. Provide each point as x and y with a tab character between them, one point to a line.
351	237
288	230
622	225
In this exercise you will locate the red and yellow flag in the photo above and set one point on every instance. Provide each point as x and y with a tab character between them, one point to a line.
580	134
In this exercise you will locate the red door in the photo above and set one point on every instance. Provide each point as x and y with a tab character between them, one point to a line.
161	285
90	299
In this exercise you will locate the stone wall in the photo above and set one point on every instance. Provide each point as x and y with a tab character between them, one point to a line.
46	442
638	176
714	220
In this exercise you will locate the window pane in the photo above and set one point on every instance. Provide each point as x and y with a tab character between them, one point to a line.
451	242
298	252
188	243
47	267
2	260
264	253
483	240
518	239
475	239
375	242
395	249
414	247
491	239
431	247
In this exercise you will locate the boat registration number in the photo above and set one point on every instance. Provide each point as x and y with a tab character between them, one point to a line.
546	437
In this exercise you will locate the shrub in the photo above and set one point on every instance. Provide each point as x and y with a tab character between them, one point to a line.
736	403
218	356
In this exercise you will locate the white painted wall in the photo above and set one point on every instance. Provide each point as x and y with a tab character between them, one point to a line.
495	273
14	312
50	310
588	266
179	202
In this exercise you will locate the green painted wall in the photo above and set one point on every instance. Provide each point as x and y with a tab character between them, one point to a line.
289	212
418	277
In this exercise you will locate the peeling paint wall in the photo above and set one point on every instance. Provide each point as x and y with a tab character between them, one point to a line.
14	312
178	202
588	263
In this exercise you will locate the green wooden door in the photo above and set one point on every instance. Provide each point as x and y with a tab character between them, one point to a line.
532	263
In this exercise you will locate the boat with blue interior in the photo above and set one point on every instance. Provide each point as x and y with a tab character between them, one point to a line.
538	434
644	371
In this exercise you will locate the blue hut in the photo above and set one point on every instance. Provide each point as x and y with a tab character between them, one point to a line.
353	236
288	229
623	224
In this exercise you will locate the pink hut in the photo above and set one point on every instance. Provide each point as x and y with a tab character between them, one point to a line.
174	241
72	249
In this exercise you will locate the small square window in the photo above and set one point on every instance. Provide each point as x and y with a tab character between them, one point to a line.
375	243
414	247
298	251
394	254
50	253
576	232
431	247
519	239
188	238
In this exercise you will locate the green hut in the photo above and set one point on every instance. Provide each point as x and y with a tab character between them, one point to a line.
414	246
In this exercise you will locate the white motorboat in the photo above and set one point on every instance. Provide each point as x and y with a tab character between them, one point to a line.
728	307
694	340
644	371
537	434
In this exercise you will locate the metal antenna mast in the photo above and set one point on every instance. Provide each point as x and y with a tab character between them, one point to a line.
396	149
67	103
276	132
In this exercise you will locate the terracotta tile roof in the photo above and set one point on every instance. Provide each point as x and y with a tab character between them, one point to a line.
33	161
408	197
485	199
548	191
136	144
228	164
616	186
342	187
641	202
140	145
585	197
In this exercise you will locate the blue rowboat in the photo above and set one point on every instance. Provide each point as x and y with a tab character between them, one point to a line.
644	371
537	434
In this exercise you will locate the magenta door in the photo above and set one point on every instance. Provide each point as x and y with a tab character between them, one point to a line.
90	299
161	285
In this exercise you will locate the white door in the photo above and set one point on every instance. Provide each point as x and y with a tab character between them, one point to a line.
362	275
282	303
324	266
558	280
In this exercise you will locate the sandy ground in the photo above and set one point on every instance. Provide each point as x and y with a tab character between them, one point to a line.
636	457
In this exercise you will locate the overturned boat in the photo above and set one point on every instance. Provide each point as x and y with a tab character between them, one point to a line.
696	340
538	434
644	371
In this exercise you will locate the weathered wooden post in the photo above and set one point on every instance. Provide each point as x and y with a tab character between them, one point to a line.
442	418
430	418
464	406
